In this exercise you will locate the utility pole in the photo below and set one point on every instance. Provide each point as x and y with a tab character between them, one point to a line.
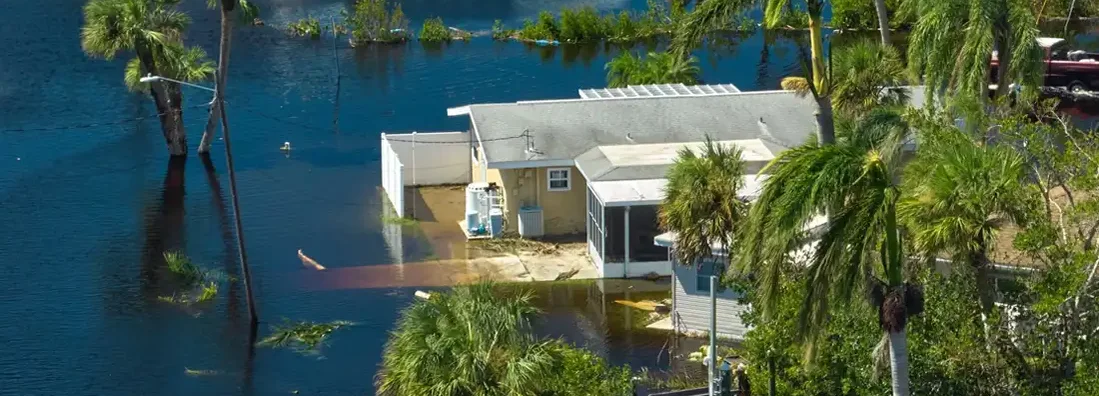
713	335
246	273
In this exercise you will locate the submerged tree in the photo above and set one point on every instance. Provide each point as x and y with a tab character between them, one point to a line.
247	11
702	203
152	30
657	68
854	182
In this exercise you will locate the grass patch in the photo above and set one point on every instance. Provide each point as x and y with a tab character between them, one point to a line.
208	292
202	285
302	335
518	245
181	265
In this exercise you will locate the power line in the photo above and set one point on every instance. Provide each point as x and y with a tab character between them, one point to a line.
93	124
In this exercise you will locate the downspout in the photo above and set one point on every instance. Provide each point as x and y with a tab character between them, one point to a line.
626	248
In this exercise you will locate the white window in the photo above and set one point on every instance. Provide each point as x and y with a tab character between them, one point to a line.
560	179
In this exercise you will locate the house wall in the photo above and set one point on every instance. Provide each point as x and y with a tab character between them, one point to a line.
692	307
563	212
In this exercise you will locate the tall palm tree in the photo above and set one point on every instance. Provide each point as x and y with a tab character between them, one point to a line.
656	68
953	41
471	341
711	15
145	27
701	203
865	76
248	11
883	21
959	193
854	182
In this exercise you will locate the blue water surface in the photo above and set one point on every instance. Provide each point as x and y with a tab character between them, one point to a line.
86	210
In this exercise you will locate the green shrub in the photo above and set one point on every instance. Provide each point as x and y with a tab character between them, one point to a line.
308	27
861	14
581	25
499	32
544	29
377	21
434	31
796	18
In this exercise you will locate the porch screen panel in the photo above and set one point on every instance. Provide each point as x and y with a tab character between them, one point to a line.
644	226
595	226
615	232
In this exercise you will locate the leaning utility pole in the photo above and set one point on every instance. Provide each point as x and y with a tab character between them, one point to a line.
246	273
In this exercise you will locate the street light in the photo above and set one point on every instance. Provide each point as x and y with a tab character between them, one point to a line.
151	78
232	191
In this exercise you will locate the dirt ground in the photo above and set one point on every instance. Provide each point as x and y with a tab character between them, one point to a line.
437	211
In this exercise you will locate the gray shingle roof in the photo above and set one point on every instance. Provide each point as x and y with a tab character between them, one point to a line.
565	129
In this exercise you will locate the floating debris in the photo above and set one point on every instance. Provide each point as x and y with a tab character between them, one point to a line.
285	146
309	262
422	294
200	373
302	336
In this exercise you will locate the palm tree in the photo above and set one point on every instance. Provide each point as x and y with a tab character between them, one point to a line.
471	341
145	27
621	70
665	68
865	76
657	68
958	194
712	15
248	11
953	41
854	182
883	21
701	203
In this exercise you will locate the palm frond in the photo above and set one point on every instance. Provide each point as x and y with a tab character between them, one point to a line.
707	16
799	85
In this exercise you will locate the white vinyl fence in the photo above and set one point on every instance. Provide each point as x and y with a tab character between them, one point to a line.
423	159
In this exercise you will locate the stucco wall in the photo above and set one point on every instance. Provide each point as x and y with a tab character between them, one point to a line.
692	307
565	212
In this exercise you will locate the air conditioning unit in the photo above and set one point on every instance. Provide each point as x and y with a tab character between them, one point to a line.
530	222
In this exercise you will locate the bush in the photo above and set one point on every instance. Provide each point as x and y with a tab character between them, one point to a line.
308	27
861	14
544	29
434	31
377	21
582	25
499	32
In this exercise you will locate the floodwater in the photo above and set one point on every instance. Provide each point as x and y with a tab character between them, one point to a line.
89	200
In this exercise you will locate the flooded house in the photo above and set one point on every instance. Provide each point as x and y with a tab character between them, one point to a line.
595	166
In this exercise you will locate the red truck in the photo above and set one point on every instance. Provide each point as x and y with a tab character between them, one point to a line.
1076	70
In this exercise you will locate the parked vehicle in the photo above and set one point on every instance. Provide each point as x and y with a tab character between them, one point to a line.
1076	70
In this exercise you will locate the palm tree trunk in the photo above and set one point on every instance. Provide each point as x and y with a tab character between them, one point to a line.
176	135
898	362
883	20
826	128
816	42
1003	79
219	85
169	106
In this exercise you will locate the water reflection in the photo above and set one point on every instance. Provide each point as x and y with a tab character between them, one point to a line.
163	228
